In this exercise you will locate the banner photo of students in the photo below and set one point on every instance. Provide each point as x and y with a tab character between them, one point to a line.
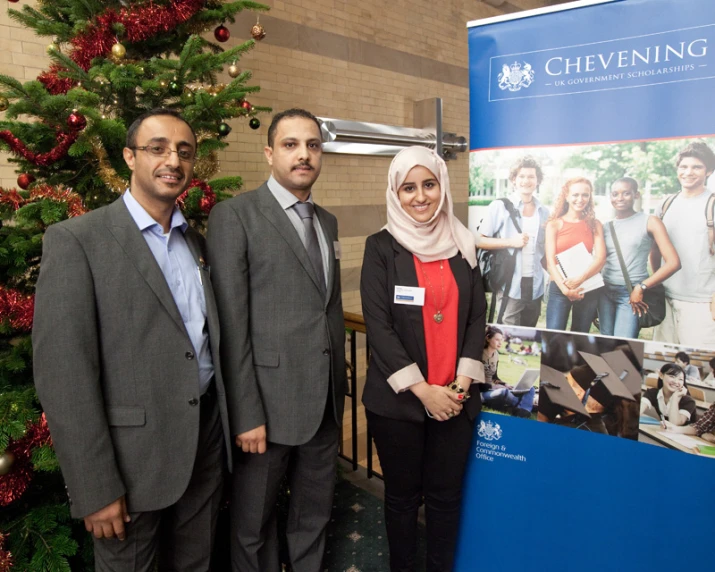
592	200
589	152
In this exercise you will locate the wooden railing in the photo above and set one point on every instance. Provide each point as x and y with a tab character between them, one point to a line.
354	325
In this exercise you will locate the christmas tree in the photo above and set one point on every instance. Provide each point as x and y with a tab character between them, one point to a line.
65	131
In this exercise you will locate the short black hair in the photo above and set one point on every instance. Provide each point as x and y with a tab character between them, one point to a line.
630	181
701	152
131	141
288	113
672	369
682	356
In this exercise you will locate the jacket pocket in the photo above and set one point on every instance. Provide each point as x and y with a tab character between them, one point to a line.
266	358
124	416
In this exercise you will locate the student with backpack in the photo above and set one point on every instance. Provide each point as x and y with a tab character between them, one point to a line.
688	218
515	228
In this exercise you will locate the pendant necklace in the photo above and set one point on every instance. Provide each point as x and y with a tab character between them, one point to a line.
438	316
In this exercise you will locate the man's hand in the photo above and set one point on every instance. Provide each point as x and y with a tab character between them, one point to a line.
253	441
108	522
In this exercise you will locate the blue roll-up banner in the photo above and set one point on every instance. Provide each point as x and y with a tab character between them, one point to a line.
593	132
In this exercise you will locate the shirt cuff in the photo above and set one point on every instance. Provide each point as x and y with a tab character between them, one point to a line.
406	377
472	369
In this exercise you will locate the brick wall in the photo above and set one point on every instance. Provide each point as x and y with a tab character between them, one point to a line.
366	62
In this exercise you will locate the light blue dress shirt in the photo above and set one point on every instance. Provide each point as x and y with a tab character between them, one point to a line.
182	275
287	199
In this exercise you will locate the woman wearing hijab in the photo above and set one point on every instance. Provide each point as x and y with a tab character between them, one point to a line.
424	309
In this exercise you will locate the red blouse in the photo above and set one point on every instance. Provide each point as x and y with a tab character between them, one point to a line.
572	233
441	294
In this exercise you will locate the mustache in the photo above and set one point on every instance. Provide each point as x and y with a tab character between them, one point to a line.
302	164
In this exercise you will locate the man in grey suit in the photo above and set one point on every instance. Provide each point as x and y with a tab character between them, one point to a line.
277	278
124	332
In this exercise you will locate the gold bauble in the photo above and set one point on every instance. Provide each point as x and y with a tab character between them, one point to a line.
258	32
52	47
118	50
233	71
163	84
6	461
4	104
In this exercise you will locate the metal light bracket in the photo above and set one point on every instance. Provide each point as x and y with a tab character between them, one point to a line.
362	138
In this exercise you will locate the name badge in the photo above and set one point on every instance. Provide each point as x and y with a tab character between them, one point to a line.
409	295
337	247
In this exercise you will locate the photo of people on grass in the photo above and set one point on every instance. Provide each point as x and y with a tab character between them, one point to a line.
511	361
615	239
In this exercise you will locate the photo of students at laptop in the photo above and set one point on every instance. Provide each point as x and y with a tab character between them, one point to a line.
511	381
591	383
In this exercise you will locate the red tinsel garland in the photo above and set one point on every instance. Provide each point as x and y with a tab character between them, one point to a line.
75	206
207	201
15	483
141	23
17	308
64	142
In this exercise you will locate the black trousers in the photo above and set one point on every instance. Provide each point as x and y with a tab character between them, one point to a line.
422	461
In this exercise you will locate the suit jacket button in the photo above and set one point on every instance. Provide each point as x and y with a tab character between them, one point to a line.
193	401
189	355
326	352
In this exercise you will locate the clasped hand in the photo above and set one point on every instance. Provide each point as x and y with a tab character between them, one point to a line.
109	521
441	402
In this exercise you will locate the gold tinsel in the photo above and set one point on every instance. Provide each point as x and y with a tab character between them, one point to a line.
106	172
206	167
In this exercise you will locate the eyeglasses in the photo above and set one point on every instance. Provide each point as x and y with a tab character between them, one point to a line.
187	155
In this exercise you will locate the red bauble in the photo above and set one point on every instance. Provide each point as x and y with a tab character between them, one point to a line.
25	180
76	121
13	1
222	33
247	106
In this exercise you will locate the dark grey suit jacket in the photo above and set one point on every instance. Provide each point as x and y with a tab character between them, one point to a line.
282	342
114	366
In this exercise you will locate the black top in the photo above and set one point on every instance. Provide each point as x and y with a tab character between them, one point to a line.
687	403
395	332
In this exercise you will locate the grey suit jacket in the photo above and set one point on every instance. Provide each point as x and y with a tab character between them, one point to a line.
114	366
283	343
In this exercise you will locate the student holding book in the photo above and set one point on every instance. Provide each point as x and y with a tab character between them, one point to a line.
636	233
573	223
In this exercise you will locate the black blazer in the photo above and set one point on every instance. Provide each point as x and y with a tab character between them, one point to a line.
395	332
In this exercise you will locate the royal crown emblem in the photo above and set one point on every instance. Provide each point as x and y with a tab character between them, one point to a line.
489	431
516	76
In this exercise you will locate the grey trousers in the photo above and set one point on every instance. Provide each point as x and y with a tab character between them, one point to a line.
181	536
256	483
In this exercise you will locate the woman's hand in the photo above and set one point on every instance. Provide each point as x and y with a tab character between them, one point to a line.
636	301
680	392
519	241
441	402
708	437
573	294
574	283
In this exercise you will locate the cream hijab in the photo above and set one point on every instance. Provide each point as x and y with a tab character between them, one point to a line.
443	235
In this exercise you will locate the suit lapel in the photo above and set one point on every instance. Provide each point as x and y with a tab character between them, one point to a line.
122	226
406	275
193	241
462	277
272	210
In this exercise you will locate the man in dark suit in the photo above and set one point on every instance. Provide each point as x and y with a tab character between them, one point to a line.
124	332
277	277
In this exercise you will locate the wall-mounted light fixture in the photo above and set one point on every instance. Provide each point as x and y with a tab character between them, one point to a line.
361	138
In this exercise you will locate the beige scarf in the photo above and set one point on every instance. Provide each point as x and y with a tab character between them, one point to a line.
443	235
